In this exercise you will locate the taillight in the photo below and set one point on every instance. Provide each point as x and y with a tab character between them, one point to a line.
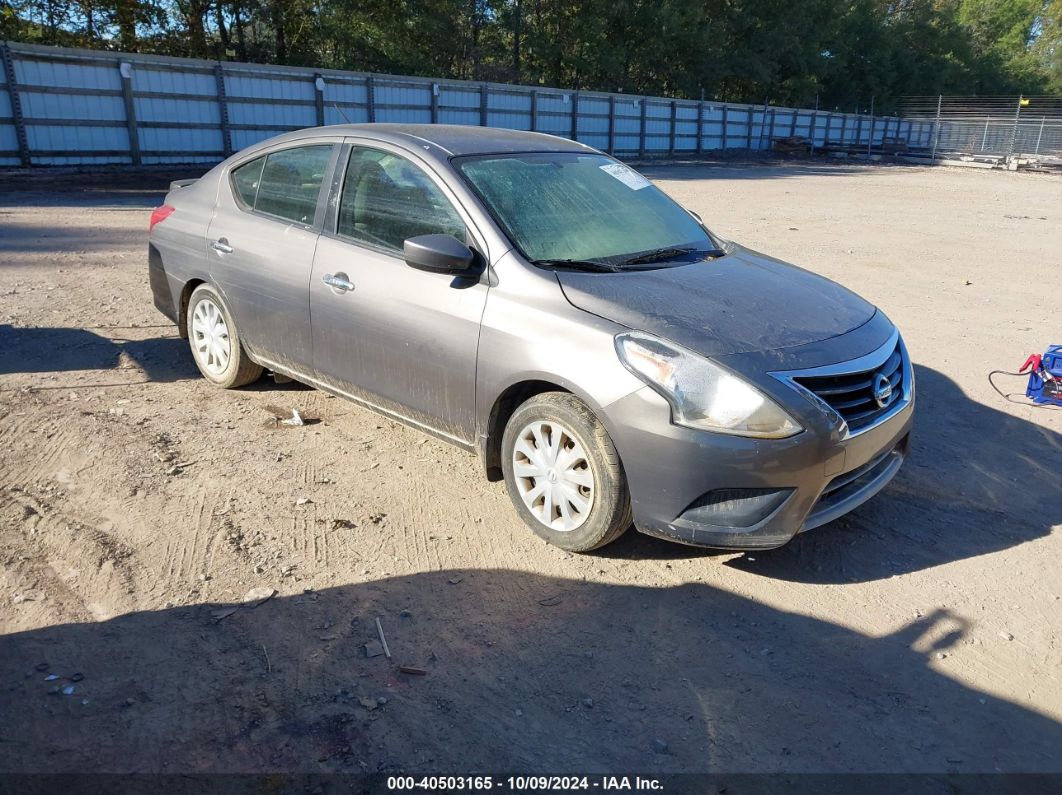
160	214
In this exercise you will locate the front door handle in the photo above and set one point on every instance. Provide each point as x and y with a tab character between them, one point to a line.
338	281
221	245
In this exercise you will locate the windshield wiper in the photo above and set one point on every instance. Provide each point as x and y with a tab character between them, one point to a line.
578	264
670	253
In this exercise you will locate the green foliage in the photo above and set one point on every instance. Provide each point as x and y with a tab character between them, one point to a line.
1046	51
839	53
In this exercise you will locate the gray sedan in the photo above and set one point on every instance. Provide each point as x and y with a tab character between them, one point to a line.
534	301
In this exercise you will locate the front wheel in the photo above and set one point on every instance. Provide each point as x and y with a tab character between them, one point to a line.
215	343
563	473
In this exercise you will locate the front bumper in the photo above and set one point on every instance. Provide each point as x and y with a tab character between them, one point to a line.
824	472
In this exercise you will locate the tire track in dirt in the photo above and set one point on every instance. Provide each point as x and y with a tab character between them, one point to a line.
189	507
201	533
85	554
56	601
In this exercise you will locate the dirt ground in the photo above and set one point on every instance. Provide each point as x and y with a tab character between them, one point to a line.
138	505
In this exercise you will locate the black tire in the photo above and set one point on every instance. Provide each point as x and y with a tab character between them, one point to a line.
240	370
610	512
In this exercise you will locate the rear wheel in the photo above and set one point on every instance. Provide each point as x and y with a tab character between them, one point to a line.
215	343
563	473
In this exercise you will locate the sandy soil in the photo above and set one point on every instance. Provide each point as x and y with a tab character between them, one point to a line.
138	505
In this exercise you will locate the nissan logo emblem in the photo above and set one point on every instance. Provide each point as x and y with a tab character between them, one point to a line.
882	390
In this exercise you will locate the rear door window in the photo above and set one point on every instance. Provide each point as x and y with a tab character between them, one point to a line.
387	199
289	183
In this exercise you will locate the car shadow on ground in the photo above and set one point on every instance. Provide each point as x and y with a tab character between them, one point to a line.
28	350
978	480
31	350
512	671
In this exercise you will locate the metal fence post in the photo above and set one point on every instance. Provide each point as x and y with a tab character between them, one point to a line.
748	127
611	124
641	130
318	98
370	97
674	123
700	127
434	103
534	110
483	105
770	131
725	123
870	138
1014	129
223	109
811	130
125	70
844	129
984	138
793	123
763	123
1040	135
575	116
936	131
16	106
859	129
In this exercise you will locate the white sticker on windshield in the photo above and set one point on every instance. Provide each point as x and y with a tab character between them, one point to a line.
629	177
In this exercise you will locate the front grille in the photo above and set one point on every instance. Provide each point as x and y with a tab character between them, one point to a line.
855	396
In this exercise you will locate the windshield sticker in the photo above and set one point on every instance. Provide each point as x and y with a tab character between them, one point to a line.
632	179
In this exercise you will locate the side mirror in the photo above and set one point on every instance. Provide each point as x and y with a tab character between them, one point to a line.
437	253
695	215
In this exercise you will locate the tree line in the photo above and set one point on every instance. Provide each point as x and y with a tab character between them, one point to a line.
836	53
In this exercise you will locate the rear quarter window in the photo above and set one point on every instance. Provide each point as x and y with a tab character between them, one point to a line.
245	181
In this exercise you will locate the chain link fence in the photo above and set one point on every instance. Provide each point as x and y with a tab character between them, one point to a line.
991	128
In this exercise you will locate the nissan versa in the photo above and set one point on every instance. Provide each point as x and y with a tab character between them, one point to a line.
529	298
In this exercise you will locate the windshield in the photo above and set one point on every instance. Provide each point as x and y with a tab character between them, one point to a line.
567	206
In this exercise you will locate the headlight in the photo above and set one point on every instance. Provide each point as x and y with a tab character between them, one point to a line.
703	395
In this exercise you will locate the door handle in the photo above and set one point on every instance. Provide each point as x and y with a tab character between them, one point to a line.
338	281
222	246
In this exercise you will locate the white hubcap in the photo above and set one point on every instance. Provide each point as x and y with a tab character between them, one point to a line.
553	475
210	337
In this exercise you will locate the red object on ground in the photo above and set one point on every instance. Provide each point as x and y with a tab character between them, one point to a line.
1035	360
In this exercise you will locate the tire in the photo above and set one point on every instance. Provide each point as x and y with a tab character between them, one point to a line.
556	435
228	371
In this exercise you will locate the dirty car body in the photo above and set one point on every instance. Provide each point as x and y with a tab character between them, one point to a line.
310	240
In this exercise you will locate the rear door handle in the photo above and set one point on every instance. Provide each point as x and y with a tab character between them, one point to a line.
338	281
222	246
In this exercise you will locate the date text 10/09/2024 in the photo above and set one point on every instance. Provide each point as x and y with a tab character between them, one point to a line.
523	783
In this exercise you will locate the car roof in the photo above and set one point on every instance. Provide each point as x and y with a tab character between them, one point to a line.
454	139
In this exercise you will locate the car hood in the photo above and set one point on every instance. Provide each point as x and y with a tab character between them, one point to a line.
742	302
